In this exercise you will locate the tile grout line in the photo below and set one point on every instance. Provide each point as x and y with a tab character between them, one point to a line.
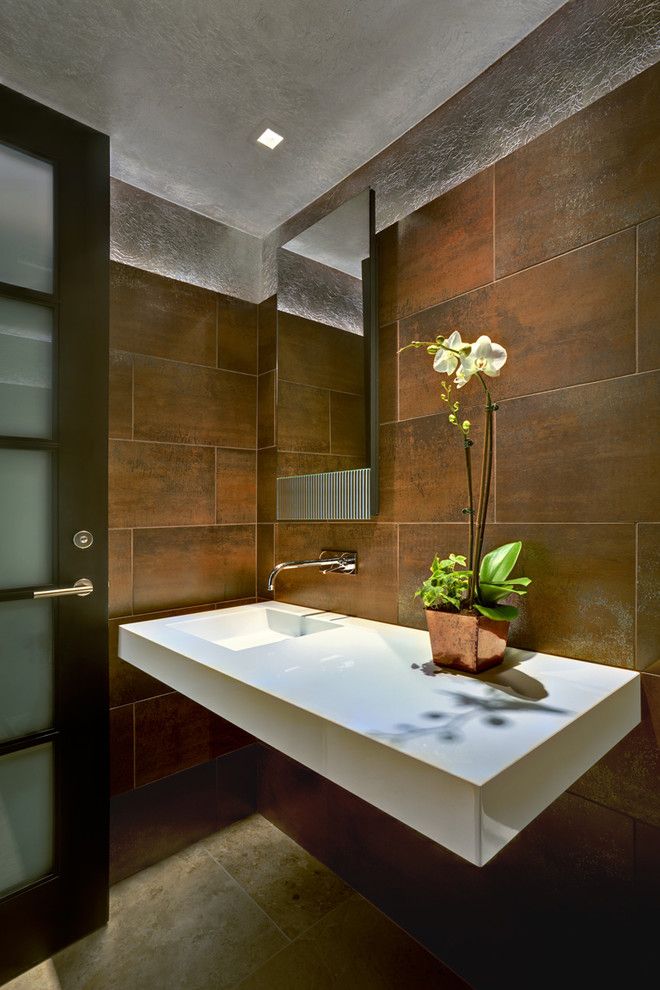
502	278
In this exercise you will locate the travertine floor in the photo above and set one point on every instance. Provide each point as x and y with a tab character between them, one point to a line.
246	908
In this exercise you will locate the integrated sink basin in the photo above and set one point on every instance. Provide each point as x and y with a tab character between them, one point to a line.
466	760
235	630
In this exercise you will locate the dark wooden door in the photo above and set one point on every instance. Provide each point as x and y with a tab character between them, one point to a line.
54	237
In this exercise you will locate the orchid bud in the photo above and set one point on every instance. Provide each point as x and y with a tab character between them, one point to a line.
466	425
452	418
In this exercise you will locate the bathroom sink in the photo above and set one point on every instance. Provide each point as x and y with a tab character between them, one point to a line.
247	630
466	760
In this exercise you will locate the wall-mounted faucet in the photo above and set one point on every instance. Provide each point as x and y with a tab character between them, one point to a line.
330	561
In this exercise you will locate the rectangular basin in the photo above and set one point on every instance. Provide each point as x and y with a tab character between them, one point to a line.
236	630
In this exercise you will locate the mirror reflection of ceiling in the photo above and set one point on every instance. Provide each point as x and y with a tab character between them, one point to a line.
340	240
185	88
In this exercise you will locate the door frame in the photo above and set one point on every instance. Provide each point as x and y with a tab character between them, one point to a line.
48	914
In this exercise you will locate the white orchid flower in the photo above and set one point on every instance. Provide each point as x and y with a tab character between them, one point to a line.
462	376
445	362
485	357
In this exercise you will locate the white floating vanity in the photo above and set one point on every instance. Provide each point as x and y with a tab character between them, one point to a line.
467	760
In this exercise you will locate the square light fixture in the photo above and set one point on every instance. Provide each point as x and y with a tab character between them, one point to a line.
270	138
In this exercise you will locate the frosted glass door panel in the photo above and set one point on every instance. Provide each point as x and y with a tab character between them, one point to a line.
26	668
26	360
25	518
26	220
26	816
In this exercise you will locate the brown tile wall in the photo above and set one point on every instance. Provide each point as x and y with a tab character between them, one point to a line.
554	251
183	498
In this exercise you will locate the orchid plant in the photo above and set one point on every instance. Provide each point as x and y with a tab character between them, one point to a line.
486	580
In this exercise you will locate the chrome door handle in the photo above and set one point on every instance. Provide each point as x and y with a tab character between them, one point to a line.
81	588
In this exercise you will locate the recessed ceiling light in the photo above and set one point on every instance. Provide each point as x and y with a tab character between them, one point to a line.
270	138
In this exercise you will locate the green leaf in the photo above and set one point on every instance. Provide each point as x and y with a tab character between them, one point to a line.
498	612
498	564
494	592
521	580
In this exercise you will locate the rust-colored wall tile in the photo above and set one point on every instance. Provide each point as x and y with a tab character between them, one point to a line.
567	321
267	320
347	425
128	683
422	467
121	395
173	568
150	314
237	335
626	779
179	403
595	173
266	410
649	295
648	595
158	484
236	486
370	593
312	353
171	734
121	750
120	572
439	251
583	454
388	373
266	485
292	463
265	557
581	602
303	418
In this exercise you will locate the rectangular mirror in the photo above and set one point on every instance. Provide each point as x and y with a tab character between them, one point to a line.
327	375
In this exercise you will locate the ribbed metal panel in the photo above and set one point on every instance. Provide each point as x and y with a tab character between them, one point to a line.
330	495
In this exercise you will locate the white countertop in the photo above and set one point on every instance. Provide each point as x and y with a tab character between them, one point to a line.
363	689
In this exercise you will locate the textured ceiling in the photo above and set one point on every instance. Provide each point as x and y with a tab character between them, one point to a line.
185	88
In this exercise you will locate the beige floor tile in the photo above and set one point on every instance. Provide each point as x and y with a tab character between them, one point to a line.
183	924
292	887
354	947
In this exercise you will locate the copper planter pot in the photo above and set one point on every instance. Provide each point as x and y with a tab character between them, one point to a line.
466	642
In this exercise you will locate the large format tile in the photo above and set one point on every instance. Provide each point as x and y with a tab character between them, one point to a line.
626	779
266	484
388	373
567	321
439	251
188	565
120	572
348	416
354	946
291	463
292	887
237	335
303	418
267	320
160	819
581	602
648	595
159	484
180	403
122	752
311	353
592	174
584	454
236	486
649	294
371	593
181	923
265	557
422	468
266	409
173	733
120	398
162	317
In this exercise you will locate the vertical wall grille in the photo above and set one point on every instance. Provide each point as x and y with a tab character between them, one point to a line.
331	495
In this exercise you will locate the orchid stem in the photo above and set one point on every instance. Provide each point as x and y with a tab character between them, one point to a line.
468	470
484	491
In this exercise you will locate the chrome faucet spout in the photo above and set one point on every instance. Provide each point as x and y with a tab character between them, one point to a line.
330	561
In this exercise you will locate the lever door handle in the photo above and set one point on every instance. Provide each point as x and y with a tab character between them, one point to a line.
81	588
